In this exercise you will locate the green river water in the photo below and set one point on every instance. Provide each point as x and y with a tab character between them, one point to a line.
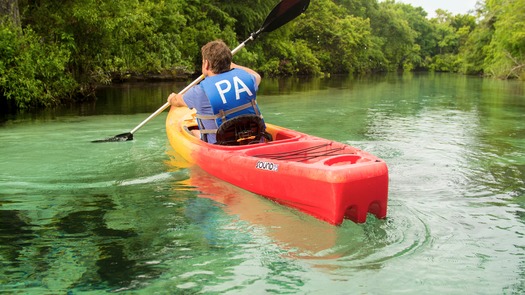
87	218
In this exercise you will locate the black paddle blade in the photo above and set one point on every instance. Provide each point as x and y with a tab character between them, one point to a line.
120	137
284	12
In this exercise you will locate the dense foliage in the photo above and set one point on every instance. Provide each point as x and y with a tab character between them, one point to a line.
52	51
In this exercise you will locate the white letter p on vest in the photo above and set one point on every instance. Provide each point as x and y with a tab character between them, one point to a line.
221	90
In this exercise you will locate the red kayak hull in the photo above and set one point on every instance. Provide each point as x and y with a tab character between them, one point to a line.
326	179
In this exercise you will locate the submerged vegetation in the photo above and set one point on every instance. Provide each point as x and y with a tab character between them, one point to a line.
54	51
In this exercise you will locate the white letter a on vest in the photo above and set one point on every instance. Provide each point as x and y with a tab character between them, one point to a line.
240	87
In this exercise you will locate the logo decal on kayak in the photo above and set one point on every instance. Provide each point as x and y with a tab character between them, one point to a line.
266	166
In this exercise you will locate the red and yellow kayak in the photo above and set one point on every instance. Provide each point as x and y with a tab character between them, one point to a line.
329	180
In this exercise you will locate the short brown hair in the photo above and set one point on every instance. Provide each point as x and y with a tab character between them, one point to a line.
219	56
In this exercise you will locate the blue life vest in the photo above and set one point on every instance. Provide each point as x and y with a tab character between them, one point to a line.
230	94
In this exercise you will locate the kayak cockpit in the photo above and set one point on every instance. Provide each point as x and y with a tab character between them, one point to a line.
272	134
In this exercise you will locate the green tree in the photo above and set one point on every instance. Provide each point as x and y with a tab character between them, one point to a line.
396	37
420	55
9	10
342	47
52	51
32	73
112	39
452	33
506	51
496	47
360	8
247	15
204	22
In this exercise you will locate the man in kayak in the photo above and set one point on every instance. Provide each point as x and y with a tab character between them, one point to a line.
227	91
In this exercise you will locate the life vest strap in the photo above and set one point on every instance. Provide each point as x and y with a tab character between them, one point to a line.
209	131
222	114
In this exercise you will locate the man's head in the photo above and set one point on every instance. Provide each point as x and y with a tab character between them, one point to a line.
217	55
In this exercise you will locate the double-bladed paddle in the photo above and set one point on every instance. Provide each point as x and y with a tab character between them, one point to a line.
281	14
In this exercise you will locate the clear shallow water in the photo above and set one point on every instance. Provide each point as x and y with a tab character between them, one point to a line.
78	217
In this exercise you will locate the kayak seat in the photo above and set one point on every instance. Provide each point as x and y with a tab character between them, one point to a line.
241	130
